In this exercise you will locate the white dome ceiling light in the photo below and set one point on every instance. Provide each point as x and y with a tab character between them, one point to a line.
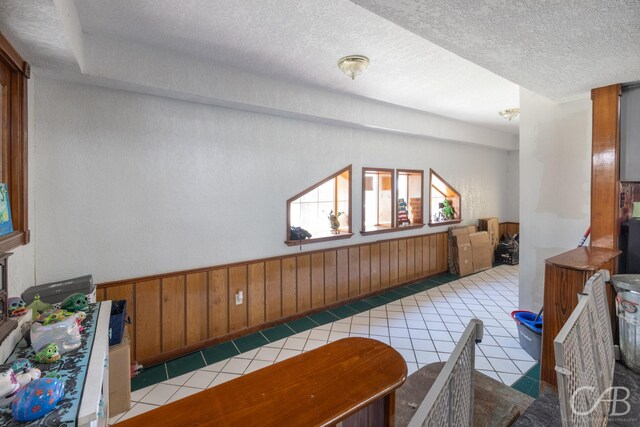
353	65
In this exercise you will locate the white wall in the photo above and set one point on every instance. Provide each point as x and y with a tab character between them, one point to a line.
513	187
128	185
555	185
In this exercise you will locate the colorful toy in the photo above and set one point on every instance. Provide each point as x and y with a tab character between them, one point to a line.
37	399
38	307
49	354
25	371
448	210
9	386
17	307
80	316
75	302
333	221
53	316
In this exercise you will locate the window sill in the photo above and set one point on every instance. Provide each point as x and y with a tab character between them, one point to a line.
391	230
318	239
13	240
453	221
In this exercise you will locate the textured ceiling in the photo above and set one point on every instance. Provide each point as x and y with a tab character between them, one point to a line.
292	40
557	48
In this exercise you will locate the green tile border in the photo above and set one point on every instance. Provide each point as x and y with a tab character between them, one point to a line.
302	324
220	352
250	342
149	376
185	364
323	317
277	332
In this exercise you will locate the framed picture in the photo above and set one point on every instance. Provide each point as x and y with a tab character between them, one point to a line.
6	223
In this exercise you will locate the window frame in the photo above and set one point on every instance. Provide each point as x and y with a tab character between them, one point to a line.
412	172
15	152
340	236
459	209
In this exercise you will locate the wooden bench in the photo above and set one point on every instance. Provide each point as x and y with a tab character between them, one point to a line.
351	381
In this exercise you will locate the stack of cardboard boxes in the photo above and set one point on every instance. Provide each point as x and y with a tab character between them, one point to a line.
470	251
415	204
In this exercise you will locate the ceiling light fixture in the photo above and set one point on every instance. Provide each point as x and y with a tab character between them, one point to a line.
353	65
510	113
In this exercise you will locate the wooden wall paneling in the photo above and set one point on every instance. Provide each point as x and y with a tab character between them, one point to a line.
365	269
411	259
330	277
317	280
218	302
417	244
101	294
393	263
605	166
433	254
173	313
343	274
354	272
273	290
289	291
402	260
513	228
124	292
148	319
256	293
442	252
374	264
426	255
384	265
237	283
197	294
304	283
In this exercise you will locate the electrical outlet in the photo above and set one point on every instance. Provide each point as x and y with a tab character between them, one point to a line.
239	298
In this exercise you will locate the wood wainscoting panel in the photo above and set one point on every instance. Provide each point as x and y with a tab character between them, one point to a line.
237	313
148	319
180	312
273	290
393	263
330	277
365	269
374	265
125	292
304	283
255	294
343	274
218	302
197	312
354	272
317	280
402	260
385	265
173	313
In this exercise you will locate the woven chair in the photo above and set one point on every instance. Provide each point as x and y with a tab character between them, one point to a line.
449	402
585	358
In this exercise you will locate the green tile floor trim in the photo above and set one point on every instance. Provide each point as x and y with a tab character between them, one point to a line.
190	362
530	383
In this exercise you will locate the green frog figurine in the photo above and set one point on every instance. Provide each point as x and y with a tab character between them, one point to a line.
49	354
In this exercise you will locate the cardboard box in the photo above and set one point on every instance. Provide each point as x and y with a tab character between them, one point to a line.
482	251
492	226
120	377
454	233
465	259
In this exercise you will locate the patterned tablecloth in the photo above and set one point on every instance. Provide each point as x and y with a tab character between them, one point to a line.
72	369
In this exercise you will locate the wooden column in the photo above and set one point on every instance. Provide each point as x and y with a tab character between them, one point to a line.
605	170
564	278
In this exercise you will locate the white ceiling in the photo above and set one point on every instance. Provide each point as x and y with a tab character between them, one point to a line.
556	48
292	40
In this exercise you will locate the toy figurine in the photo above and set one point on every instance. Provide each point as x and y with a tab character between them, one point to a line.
17	307
49	354
333	221
75	302
25	371
80	316
448	210
53	316
9	386
37	306
37	399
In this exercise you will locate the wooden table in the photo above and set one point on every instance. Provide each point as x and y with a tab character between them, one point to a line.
352	381
564	278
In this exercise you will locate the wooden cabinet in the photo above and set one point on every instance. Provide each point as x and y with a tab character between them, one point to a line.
564	278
